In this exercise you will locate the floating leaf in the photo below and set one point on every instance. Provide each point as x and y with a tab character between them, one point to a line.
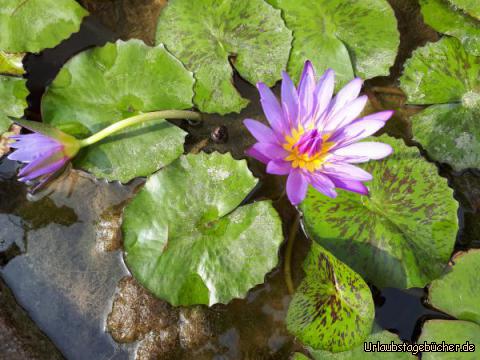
13	92
210	36
453	21
11	64
101	86
402	234
358	352
333	307
352	37
463	303
450	332
443	74
186	240
471	7
34	25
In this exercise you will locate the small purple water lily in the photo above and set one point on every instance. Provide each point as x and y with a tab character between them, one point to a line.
313	138
45	151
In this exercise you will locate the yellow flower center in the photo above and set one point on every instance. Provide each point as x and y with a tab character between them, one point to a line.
302	159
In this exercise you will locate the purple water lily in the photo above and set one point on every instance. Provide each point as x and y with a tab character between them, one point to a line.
313	138
44	153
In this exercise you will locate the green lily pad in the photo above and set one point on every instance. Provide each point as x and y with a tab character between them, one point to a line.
402	234
210	37
451	20
101	86
352	37
333	307
463	303
450	332
445	75
34	25
358	352
186	239
11	64
13	92
471	7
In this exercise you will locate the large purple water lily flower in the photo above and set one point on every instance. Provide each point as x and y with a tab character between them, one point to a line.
313	138
45	151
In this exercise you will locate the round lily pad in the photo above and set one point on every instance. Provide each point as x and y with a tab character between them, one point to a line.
13	92
402	234
358	352
462	276
332	308
471	7
210	37
450	332
451	19
11	64
445	75
34	25
187	240
101	86
352	37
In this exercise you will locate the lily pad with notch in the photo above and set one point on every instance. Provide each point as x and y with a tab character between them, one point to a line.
104	85
188	241
402	234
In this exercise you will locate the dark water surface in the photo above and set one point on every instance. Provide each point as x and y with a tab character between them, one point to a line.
67	284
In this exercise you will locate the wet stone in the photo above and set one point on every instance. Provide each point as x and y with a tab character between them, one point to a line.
136	313
194	327
108	230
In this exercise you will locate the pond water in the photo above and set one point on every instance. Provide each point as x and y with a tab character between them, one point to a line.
66	280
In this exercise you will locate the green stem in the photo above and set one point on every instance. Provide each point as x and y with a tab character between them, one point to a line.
288	254
138	119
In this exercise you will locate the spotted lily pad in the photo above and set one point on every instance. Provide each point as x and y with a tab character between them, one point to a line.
358	352
451	332
34	25
211	36
11	64
402	234
451	19
186	239
101	86
445	75
13	92
333	307
352	37
463	303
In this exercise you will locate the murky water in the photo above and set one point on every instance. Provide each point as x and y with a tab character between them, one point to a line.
60	273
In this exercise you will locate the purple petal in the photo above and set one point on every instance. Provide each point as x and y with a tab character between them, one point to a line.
290	100
323	93
306	88
346	95
271	151
381	115
279	167
260	131
346	172
272	109
347	114
350	185
297	187
323	184
37	169
358	130
257	155
369	150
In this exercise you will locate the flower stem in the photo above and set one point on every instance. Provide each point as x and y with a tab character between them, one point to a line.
138	119
288	254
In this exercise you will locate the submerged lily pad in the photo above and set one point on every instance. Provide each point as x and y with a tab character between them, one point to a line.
333	307
463	303
445	75
13	92
450	332
352	37
11	64
101	86
358	352
34	25
210	37
186	239
452	20
402	234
